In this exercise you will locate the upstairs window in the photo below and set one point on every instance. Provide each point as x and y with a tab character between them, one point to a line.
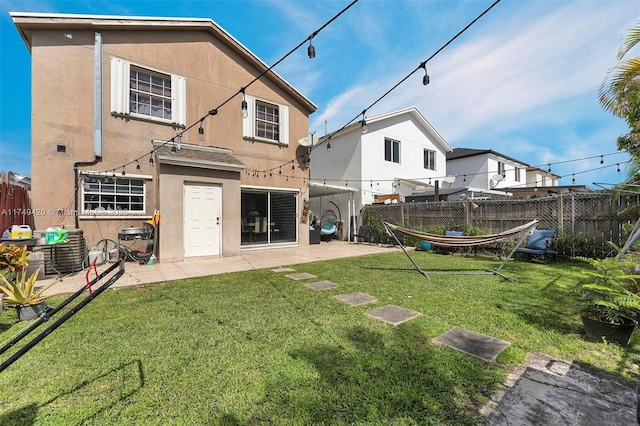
266	121
149	93
144	93
392	150
429	159
516	172
500	168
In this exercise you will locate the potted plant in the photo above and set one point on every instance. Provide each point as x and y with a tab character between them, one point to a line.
22	293
610	307
13	258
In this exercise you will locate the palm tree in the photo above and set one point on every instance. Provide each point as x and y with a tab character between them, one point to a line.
623	80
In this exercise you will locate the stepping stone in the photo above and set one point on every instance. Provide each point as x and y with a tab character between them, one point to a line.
300	276
471	343
392	314
356	298
283	270
322	285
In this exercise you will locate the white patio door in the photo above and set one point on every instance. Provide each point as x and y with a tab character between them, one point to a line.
202	220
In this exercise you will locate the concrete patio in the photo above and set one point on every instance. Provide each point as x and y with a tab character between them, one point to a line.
136	274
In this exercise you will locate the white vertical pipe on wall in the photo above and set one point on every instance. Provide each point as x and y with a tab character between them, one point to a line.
97	95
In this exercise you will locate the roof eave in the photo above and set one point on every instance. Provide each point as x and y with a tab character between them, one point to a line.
29	20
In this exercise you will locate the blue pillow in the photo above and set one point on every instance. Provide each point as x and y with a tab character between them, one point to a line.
540	239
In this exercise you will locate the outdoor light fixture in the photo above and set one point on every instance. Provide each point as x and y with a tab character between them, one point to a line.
245	112
363	123
137	165
123	172
311	51
601	160
425	79
201	132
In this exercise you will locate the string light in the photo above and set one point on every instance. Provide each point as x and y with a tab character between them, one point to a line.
618	168
243	105
601	160
311	51
123	172
201	131
137	165
425	79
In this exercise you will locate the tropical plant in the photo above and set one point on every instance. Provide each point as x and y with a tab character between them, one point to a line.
13	258
606	292
371	219
620	94
622	80
22	291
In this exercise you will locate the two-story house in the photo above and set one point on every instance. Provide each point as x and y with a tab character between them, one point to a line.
485	170
395	153
109	96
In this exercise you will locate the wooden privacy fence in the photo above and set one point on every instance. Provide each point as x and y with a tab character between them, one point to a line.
584	221
15	206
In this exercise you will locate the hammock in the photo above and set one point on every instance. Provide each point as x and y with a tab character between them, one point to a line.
463	241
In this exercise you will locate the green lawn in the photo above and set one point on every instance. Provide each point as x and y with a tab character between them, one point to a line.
259	348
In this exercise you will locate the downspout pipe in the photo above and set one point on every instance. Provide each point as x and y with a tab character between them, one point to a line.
97	123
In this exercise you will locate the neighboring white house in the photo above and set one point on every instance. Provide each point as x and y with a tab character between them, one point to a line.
396	153
538	178
485	169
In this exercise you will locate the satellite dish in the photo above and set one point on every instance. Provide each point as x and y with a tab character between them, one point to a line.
306	141
449	180
495	180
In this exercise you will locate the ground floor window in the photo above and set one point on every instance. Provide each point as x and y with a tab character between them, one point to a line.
106	195
268	217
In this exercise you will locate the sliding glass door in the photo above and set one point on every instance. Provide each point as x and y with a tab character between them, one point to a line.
268	217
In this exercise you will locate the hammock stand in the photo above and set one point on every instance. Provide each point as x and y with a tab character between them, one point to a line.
462	241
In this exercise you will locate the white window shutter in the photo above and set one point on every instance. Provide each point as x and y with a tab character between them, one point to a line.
179	100
284	124
119	86
248	123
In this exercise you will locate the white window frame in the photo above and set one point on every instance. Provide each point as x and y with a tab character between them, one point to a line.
107	186
501	168
430	161
249	122
517	174
121	92
392	143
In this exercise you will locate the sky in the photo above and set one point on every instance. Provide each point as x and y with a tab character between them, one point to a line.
522	81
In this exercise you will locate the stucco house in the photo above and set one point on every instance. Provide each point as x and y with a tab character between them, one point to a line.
109	96
485	169
396	153
538	178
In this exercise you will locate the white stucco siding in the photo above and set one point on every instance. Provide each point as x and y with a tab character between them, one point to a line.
413	142
341	162
472	169
477	171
